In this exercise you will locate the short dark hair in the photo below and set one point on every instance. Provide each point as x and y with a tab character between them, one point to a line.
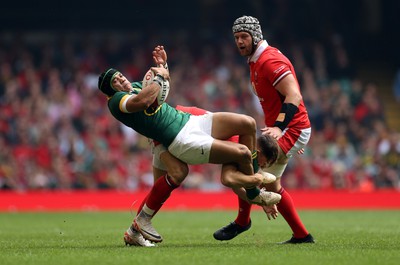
268	147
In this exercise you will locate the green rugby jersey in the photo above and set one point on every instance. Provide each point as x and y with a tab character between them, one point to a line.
162	125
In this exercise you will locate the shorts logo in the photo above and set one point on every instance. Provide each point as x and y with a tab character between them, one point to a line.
202	150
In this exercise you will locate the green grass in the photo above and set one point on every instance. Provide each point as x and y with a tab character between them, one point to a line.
343	237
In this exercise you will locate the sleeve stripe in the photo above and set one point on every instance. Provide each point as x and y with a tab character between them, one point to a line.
281	77
123	101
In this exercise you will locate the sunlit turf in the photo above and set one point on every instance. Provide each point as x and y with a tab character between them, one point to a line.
343	237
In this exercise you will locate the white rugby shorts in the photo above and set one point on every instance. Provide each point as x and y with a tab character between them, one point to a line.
193	143
157	151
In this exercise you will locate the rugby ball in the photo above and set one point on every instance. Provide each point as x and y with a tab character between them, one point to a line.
164	90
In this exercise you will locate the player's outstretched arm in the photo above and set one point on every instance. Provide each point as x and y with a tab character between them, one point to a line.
160	56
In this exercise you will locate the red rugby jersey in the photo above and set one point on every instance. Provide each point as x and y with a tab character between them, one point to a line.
267	67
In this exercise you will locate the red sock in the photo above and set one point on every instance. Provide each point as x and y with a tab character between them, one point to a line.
287	210
243	217
160	192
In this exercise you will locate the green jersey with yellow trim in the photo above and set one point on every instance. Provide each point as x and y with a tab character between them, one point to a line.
162	124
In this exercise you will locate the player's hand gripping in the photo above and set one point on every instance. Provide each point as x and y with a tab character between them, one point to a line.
161	71
273	131
160	56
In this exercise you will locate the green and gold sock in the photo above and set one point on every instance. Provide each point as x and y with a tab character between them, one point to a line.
251	193
255	161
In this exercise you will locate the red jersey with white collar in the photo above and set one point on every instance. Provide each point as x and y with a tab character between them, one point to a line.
268	66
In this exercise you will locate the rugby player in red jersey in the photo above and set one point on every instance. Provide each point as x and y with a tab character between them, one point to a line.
274	82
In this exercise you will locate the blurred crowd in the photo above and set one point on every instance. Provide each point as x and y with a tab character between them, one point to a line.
56	131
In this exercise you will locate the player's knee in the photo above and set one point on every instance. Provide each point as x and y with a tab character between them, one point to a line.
244	154
178	173
251	124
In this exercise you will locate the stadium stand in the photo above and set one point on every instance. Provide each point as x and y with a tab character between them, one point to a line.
55	132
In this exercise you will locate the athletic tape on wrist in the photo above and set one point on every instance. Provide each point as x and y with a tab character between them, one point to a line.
286	115
159	79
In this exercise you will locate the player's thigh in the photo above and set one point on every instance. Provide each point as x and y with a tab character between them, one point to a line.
274	186
223	152
282	158
226	124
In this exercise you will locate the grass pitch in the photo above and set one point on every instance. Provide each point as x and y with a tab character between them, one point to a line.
343	237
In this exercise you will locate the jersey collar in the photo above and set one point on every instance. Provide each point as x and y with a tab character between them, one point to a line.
263	45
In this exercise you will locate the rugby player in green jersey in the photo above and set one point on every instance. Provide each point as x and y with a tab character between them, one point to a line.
191	139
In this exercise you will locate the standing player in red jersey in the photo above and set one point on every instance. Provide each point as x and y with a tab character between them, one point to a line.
275	84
